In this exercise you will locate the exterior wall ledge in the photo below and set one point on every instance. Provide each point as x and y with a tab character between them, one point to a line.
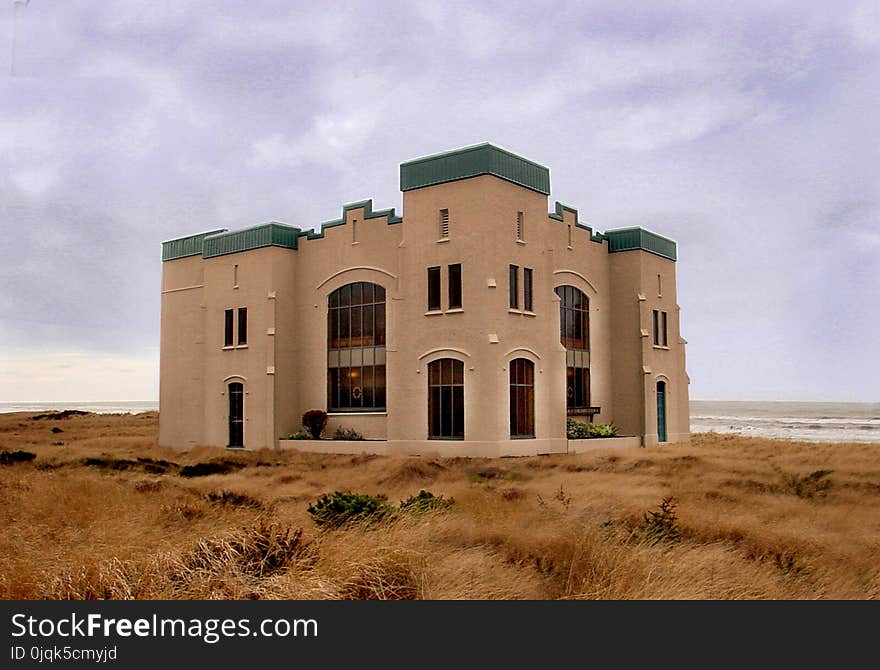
597	443
442	448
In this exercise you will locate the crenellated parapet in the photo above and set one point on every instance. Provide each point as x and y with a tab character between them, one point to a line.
272	234
559	215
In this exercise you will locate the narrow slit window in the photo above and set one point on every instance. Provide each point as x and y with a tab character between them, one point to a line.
354	231
663	330
242	325
455	286
444	224
527	289
235	276
569	236
227	328
513	281
656	328
659	286
433	289
520	227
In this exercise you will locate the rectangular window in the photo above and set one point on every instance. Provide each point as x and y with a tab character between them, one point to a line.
433	289
569	236
663	330
578	387
227	330
235	276
242	325
527	289
513	282
520	227
656	328
659	286
455	286
444	224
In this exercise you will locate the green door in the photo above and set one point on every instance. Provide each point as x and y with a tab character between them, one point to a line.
661	411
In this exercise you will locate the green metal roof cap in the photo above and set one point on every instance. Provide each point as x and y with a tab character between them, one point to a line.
629	239
265	235
472	162
191	245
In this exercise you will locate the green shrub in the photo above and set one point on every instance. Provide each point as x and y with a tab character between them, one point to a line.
298	436
425	501
314	421
347	434
578	430
340	508
662	525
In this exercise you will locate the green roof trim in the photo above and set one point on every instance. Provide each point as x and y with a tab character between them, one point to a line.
628	239
559	215
366	205
264	235
186	246
472	162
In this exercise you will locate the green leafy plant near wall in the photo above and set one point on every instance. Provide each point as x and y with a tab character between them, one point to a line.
340	508
583	431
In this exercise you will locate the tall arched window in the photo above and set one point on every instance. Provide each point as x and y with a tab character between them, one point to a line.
446	399
356	348
236	415
574	333
522	398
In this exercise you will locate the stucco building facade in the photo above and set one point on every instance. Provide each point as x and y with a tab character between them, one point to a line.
473	324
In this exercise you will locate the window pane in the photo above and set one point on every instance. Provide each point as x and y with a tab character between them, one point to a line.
446	371
356	316
345	296
380	325
455	286
434	372
457	372
242	325
378	293
357	293
433	289
446	413
527	289
513	283
344	337
368	290
434	411
665	340
380	386
227	330
458	412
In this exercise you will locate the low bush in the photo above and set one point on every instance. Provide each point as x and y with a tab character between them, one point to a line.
10	457
578	430
298	436
341	508
224	497
425	501
210	468
347	434
314	421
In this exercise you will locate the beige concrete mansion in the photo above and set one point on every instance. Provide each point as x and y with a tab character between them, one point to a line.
473	324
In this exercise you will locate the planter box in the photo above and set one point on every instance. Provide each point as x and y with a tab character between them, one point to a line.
337	446
596	443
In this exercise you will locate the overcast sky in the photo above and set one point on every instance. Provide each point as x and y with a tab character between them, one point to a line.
748	132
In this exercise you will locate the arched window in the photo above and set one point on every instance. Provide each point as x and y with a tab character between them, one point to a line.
522	398
446	399
236	415
574	333
356	348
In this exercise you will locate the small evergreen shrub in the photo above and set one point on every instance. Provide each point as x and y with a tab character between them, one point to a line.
299	435
425	501
314	421
341	508
662	525
578	430
347	434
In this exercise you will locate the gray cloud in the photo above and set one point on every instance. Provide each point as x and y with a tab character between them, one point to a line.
746	132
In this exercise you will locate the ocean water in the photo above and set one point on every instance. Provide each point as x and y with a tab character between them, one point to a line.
811	421
109	407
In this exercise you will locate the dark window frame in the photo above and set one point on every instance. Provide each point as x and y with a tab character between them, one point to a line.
434	289
522	399
454	285
356	337
513	286
574	318
228	328
528	302
242	326
235	433
446	399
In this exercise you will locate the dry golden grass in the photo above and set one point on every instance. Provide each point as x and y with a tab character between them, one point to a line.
757	519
